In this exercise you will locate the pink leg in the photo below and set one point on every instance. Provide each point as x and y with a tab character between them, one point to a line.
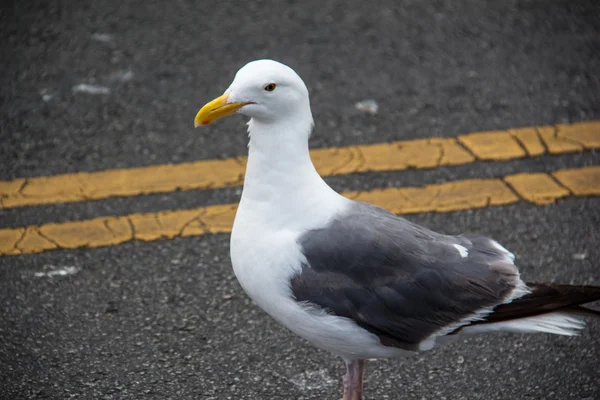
353	380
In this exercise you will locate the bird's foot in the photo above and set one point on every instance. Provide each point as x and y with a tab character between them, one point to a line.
353	380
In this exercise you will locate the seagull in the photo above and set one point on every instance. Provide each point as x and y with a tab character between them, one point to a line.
353	278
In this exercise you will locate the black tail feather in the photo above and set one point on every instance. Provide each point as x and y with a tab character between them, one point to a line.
586	312
546	298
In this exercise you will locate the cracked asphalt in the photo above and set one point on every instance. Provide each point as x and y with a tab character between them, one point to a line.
167	319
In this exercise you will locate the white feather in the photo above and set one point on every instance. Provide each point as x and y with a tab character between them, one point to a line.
462	250
557	323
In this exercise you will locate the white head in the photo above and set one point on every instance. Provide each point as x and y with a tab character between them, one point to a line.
265	90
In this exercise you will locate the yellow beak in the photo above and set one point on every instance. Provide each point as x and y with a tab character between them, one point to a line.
218	108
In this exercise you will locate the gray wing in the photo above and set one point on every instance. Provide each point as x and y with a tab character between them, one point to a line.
399	280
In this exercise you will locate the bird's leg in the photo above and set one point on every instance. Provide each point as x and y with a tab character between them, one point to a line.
353	380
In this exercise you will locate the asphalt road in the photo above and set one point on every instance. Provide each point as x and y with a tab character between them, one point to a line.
167	319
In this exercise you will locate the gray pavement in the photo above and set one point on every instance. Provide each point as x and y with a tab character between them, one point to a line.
167	319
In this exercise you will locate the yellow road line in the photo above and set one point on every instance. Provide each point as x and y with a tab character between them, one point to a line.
538	188
422	153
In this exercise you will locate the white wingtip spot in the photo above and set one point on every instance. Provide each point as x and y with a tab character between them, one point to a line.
462	250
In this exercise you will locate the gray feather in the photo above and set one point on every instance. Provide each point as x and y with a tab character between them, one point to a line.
399	280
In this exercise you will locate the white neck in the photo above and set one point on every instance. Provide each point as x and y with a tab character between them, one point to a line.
282	187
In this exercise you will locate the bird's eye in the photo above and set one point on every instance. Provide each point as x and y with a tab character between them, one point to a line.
269	87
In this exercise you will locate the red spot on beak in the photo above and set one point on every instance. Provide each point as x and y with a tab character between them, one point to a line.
205	122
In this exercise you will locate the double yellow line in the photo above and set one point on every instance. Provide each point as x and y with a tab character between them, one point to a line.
539	188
